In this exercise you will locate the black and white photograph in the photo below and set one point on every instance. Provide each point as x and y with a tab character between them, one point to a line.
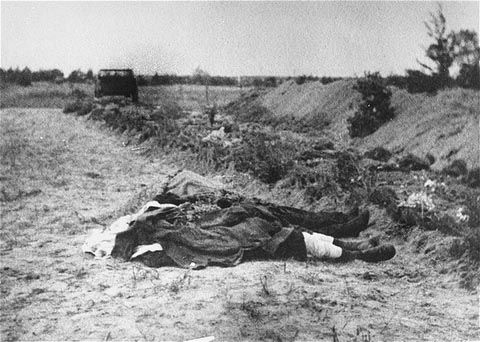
210	171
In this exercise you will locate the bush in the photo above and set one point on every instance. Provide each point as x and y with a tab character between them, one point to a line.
300	79
383	196
378	153
72	106
317	182
25	78
348	171
457	168
374	109
419	82
264	156
78	93
469	76
411	162
85	108
78	106
473	178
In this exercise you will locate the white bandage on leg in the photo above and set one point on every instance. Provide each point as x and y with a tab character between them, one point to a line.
326	238
321	246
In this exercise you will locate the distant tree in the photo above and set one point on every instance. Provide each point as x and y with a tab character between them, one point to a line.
465	45
442	51
467	55
448	48
3	76
419	82
200	76
155	79
46	75
76	76
142	80
300	79
89	75
270	82
24	78
469	76
258	82
11	75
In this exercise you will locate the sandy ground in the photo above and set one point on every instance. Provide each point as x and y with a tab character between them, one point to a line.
50	291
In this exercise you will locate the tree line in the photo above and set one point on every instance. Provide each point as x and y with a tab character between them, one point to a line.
450	49
458	49
25	76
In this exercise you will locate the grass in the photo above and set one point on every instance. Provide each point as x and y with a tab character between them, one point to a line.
51	95
28	155
42	94
271	310
189	97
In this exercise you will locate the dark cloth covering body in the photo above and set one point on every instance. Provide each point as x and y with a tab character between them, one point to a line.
226	236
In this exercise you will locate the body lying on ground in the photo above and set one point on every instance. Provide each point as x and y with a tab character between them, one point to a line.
162	233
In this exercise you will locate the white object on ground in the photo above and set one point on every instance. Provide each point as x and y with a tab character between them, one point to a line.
419	200
430	184
203	339
321	246
215	136
142	249
101	242
460	216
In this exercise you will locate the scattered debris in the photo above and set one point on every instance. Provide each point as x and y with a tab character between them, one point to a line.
419	200
460	216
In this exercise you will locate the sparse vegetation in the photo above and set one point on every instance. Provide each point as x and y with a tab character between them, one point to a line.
284	140
457	168
42	95
313	170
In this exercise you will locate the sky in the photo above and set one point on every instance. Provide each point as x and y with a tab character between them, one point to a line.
224	38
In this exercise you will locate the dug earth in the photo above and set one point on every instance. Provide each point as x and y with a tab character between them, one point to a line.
62	176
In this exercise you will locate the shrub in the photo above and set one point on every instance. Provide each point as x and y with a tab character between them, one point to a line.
473	178
300	79
348	170
383	196
379	153
263	155
317	182
25	78
85	108
374	110
254	113
72	106
327	80
419	82
78	93
457	168
469	76
411	162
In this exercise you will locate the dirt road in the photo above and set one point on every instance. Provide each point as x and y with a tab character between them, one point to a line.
64	175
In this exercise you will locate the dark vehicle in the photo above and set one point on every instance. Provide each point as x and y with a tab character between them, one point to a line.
111	82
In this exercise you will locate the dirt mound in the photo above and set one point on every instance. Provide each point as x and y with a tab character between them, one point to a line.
445	125
330	104
312	98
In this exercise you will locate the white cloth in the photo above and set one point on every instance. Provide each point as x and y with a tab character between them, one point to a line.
142	249
321	246
101	242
